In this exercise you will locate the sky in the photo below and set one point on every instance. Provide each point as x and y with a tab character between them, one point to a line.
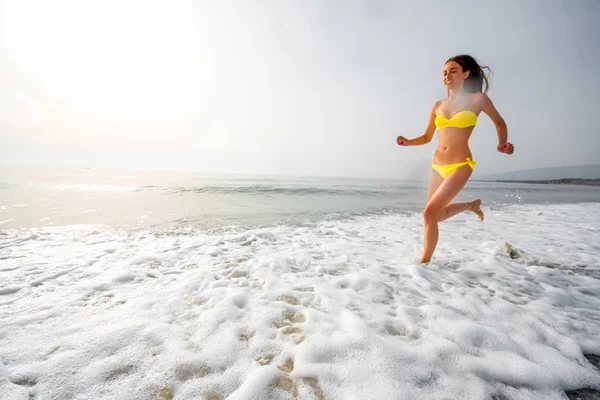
286	87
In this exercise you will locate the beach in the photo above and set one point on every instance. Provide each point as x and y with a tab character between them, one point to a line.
329	305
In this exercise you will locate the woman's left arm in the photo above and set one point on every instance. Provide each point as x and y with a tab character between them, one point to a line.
488	107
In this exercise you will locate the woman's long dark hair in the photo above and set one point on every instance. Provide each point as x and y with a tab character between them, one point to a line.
476	79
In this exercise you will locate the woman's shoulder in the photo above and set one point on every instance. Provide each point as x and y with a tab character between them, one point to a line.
437	104
479	98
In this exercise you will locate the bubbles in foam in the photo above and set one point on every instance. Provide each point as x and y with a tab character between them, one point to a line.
336	311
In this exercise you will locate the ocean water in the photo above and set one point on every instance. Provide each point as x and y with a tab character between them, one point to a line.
36	197
145	285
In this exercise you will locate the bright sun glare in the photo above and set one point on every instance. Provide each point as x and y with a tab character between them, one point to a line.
98	47
18	108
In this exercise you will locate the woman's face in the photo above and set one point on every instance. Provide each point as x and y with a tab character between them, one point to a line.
454	75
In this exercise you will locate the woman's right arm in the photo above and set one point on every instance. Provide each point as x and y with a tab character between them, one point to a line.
426	137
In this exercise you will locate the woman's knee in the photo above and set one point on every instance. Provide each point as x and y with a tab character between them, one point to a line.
431	214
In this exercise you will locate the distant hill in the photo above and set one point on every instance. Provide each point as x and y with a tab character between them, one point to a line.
567	181
572	172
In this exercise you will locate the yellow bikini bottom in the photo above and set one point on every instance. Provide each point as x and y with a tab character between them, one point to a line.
447	169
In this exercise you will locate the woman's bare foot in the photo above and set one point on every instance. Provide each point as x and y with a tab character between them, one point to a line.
475	207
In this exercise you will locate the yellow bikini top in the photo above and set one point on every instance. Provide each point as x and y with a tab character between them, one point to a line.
462	119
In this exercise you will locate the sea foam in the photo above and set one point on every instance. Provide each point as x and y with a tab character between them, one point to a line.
339	309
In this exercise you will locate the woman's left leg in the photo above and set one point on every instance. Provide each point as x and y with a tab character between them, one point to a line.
443	195
456	208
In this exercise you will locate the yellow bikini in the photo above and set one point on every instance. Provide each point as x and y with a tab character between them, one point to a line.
447	169
462	119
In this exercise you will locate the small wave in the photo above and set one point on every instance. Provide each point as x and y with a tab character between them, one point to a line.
89	187
292	191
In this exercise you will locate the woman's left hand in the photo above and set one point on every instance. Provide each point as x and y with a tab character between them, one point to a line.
506	148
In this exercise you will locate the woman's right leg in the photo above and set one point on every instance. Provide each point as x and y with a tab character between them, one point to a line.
439	199
435	180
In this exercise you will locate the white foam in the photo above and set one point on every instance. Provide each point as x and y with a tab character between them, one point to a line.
339	309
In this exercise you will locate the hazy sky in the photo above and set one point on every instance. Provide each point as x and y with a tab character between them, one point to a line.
289	87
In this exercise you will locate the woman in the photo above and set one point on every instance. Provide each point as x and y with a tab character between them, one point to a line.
452	165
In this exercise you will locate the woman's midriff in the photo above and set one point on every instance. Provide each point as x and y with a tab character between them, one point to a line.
453	146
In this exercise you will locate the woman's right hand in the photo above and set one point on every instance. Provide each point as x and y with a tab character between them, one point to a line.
402	141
